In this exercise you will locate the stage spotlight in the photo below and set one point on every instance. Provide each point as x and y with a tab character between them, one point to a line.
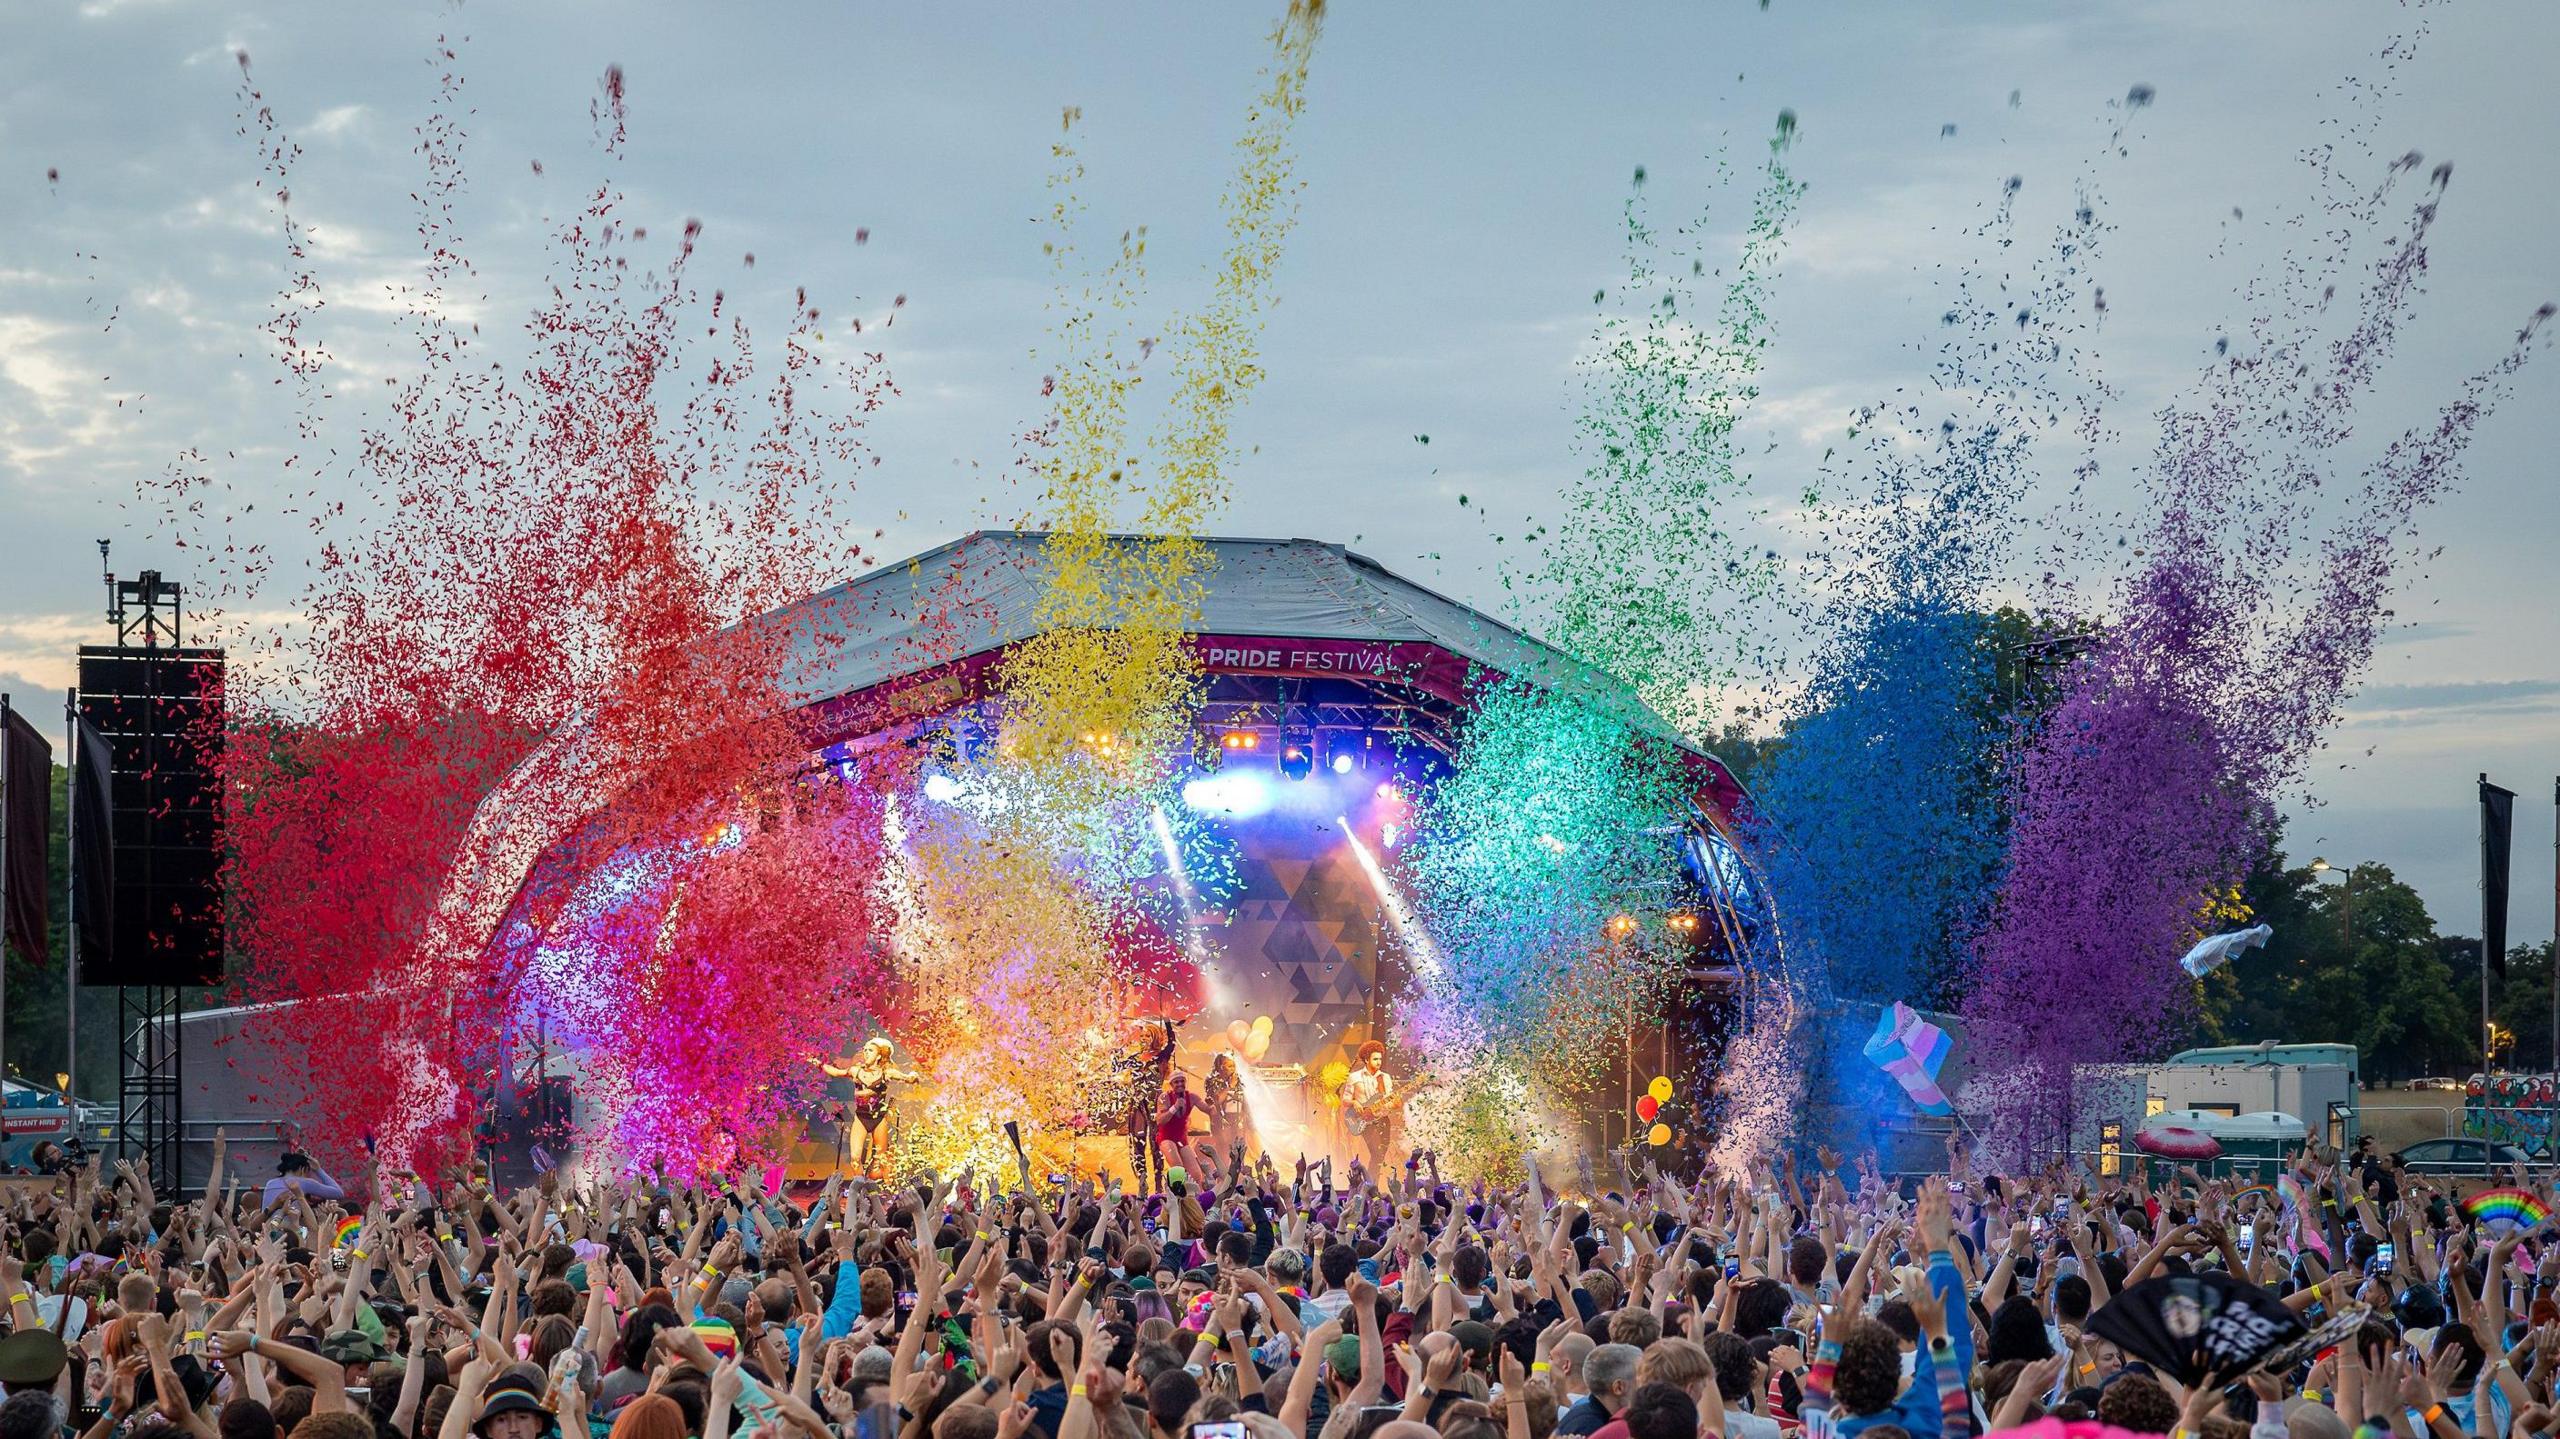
1240	741
1343	753
1621	925
1684	924
941	788
1344	762
1236	794
1391	792
1297	761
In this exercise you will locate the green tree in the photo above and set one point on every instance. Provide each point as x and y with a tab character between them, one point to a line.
2352	961
37	1037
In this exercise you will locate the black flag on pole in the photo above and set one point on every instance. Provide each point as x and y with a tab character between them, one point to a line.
26	826
93	858
2497	836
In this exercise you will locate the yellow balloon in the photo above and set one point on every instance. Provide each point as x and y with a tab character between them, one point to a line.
1660	1089
1658	1136
1261	1024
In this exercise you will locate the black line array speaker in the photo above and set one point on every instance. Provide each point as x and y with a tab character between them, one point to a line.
160	712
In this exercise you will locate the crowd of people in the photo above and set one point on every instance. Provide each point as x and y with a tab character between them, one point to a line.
1248	1300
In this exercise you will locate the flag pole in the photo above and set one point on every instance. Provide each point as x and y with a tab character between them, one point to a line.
2553	969
2487	1065
71	905
8	802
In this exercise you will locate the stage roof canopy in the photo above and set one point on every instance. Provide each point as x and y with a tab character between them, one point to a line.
969	599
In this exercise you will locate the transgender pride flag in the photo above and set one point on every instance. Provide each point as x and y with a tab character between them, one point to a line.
1912	1050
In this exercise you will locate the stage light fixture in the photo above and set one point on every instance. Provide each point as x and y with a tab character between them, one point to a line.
1344	752
941	788
1297	761
1621	925
1684	923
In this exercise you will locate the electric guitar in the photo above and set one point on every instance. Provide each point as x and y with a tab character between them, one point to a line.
1356	1118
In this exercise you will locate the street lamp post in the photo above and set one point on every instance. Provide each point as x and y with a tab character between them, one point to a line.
2346	896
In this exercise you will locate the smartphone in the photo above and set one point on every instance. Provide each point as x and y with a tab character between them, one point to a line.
2384	1256
2249	1238
1733	1269
2035	1225
1232	1429
359	1394
906	1301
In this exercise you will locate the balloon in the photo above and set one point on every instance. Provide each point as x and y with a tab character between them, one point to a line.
1660	1090
1258	1043
1658	1136
1647	1107
1262	1024
1238	1032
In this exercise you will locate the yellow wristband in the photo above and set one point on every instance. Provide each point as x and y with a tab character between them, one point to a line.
711	1271
1540	1367
982	1236
195	1336
1076	1393
359	1254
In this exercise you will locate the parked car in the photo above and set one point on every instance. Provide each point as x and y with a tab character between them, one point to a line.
2462	1158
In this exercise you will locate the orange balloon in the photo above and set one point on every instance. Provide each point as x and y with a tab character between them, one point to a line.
1658	1136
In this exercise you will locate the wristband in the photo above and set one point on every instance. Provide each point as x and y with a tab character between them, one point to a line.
358	1253
1076	1393
711	1271
2434	1412
194	1336
1540	1367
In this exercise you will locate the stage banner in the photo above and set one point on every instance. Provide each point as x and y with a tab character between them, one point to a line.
26	828
93	855
2497	837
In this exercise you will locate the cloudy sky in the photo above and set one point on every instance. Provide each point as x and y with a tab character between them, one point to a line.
1464	167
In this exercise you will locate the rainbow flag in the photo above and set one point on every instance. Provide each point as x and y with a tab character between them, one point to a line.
349	1229
2301	1227
2518	1208
1912	1050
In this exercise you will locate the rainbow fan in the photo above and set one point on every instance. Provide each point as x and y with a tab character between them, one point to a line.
2266	1190
2517	1208
349	1229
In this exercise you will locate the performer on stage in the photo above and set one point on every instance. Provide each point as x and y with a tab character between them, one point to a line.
871	1074
1173	1122
1369	1103
1224	1092
1138	1078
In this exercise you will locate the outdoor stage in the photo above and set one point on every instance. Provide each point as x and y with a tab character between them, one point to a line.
1271	931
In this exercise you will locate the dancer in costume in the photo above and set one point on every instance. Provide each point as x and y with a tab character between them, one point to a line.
871	1074
1137	1078
1224	1093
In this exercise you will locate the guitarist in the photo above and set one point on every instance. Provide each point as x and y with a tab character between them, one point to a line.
1369	1103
